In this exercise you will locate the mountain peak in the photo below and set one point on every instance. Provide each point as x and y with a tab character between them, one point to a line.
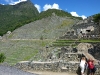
13	16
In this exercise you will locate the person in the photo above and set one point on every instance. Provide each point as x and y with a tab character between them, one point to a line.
83	65
91	67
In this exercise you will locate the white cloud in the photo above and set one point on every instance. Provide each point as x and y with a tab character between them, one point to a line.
23	0
83	16
12	2
48	6
38	7
76	15
55	6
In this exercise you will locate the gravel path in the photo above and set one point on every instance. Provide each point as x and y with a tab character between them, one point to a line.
51	73
7	70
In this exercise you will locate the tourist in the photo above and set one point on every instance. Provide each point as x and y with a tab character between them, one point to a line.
83	65
91	67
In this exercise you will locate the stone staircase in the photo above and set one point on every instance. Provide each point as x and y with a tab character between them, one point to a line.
89	56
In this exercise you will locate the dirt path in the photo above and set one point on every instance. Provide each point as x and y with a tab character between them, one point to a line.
51	73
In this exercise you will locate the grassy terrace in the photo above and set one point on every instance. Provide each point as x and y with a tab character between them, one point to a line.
22	50
73	42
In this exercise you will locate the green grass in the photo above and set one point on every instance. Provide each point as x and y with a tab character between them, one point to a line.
91	41
63	42
98	40
65	23
22	50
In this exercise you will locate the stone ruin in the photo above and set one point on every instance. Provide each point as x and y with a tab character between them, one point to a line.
70	34
67	59
64	59
85	29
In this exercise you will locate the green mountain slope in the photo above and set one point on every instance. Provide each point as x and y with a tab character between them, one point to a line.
51	27
14	16
60	13
25	42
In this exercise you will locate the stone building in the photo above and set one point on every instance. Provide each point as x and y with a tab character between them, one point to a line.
85	29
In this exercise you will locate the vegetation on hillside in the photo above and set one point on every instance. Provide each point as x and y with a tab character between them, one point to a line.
2	57
22	50
64	42
14	16
61	13
97	18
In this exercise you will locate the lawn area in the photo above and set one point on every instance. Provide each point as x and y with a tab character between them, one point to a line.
22	50
64	42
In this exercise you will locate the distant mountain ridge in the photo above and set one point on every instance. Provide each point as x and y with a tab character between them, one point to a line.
15	16
48	28
47	24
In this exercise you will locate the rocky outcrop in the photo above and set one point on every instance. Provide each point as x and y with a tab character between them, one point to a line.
84	47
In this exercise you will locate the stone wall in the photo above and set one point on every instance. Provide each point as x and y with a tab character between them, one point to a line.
67	60
56	66
72	57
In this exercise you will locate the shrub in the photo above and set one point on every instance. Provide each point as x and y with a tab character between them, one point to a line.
2	57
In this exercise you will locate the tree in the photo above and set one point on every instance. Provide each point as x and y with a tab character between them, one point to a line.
96	18
2	57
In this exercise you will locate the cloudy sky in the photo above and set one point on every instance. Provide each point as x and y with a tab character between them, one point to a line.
82	8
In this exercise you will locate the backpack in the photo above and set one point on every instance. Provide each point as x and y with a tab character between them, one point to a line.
90	65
